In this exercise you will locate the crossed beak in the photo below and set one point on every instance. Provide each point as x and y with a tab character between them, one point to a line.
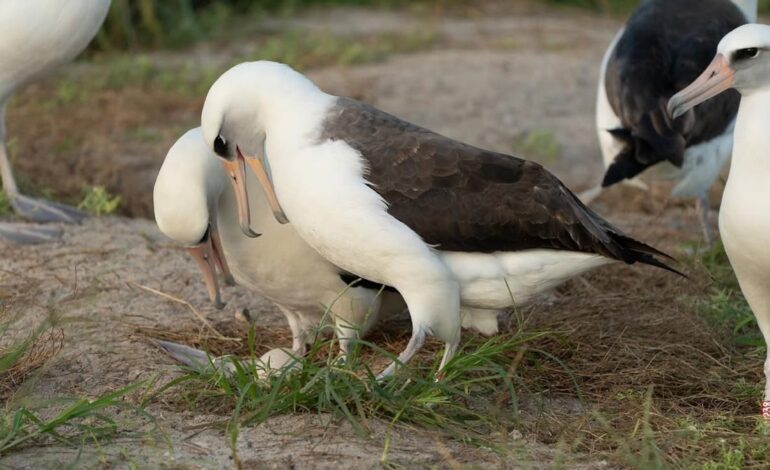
210	259
258	167
717	78
236	171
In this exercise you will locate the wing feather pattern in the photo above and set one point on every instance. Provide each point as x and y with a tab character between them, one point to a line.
462	198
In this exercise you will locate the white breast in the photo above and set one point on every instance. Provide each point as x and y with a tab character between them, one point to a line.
744	218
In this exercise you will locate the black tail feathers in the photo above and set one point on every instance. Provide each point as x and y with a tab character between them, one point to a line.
655	138
638	252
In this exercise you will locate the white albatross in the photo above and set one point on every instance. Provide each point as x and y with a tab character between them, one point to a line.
442	222
193	207
743	63
662	48
37	37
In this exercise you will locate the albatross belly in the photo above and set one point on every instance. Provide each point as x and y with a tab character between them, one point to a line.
703	163
503	280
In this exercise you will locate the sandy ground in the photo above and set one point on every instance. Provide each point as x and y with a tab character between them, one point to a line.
490	79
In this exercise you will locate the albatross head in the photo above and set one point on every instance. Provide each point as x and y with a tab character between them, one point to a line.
742	62
185	200
234	118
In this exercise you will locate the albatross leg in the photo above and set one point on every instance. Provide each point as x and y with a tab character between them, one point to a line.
414	346
703	207
450	349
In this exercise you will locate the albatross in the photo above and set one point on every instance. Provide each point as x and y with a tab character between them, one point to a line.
444	223
37	37
663	47
742	63
192	207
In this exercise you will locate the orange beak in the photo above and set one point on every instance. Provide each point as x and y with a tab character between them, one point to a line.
219	256
207	258
717	78
236	171
258	168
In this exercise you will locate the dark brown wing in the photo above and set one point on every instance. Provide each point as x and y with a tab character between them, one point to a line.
461	198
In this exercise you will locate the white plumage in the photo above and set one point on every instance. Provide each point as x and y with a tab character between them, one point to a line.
743	62
190	194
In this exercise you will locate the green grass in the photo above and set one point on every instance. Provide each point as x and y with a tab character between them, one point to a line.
475	400
98	201
724	303
5	203
67	420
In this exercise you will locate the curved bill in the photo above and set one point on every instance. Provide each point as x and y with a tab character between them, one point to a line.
206	258
717	78
258	167
219	255
236	171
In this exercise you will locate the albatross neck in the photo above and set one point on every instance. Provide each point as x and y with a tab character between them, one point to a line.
751	149
293	112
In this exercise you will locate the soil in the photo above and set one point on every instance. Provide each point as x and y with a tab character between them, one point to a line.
491	77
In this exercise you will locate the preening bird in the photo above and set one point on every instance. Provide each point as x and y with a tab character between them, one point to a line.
194	207
663	47
37	37
444	223
742	63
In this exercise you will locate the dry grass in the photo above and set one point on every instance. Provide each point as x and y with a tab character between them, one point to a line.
40	350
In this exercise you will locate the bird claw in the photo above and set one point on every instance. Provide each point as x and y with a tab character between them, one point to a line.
44	211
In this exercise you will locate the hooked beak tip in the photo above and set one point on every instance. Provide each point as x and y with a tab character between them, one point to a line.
250	233
674	109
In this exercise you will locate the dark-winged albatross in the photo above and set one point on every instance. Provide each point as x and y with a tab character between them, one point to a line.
743	63
193	207
38	36
441	221
662	48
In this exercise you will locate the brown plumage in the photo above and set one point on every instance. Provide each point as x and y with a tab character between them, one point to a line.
462	198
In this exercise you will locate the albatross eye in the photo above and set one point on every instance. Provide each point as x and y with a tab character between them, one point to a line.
745	54
220	147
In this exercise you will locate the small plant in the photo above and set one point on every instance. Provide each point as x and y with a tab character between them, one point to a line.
98	201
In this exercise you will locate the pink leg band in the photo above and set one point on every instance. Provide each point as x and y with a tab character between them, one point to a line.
766	410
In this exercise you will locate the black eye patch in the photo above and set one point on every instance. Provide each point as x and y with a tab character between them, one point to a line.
745	54
220	147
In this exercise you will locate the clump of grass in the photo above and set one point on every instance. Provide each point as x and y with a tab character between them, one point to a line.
539	145
81	419
98	201
475	399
